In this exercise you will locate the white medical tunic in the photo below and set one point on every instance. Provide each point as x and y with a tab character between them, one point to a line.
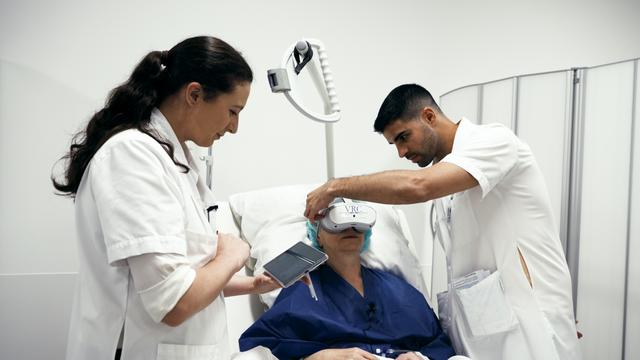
509	212
136	210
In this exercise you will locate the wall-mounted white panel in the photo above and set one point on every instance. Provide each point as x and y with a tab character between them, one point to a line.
37	233
604	208
461	103
497	102
34	312
632	345
542	115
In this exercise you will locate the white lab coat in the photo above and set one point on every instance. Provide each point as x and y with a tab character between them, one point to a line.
133	200
505	317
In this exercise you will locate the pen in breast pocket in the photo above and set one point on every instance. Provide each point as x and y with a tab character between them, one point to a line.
210	209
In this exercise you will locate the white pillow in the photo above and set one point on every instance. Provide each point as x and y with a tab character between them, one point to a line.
271	220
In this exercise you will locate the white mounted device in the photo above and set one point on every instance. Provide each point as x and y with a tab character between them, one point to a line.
308	54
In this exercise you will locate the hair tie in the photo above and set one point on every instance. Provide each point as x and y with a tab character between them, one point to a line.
164	55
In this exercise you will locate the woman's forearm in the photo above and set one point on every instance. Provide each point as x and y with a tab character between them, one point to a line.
208	284
239	285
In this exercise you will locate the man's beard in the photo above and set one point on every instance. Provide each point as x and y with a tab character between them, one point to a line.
425	161
428	152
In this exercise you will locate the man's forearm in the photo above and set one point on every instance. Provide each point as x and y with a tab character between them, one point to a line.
392	187
388	187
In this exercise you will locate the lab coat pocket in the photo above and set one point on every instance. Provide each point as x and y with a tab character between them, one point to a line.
201	248
188	352
485	308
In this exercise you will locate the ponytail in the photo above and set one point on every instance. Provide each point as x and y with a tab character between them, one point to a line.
207	60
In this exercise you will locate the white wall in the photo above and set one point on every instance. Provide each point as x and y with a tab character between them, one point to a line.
59	59
82	49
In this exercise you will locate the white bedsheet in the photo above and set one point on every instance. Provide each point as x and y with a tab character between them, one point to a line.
262	353
257	353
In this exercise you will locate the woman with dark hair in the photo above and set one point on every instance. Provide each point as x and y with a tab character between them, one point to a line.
151	265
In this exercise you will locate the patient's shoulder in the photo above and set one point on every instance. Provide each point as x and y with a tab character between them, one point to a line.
385	275
391	282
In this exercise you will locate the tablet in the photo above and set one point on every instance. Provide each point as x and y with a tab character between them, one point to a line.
294	263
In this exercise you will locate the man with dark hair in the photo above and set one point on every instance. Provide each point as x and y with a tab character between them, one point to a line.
404	102
497	222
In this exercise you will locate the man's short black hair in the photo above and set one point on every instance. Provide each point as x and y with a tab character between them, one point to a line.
403	103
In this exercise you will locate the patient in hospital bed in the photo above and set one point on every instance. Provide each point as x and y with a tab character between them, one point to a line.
361	313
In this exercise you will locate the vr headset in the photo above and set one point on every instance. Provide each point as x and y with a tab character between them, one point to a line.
343	214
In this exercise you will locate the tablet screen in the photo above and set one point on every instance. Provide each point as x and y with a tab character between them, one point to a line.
292	264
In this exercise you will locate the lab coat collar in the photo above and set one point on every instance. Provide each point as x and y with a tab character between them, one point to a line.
181	153
161	125
464	126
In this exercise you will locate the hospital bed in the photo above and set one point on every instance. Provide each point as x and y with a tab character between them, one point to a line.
271	220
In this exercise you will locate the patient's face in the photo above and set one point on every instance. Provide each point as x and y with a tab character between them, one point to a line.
348	241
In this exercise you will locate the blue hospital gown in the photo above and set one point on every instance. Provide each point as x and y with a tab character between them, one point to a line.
391	315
